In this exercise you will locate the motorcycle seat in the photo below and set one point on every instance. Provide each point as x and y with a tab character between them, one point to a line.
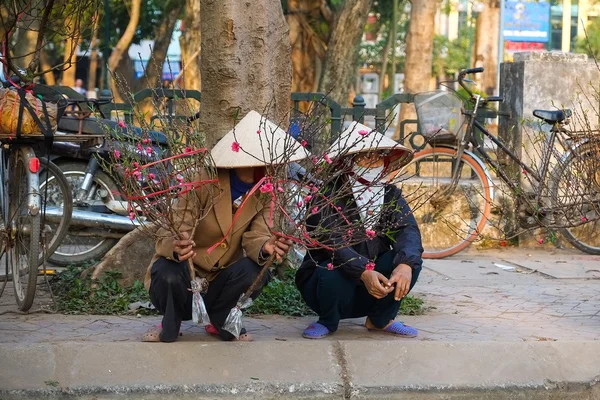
92	126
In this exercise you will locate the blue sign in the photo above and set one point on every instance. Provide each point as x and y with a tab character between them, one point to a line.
526	21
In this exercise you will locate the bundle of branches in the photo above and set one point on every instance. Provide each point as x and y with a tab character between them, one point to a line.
27	27
167	178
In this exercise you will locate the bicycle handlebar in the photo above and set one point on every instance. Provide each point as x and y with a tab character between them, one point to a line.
472	71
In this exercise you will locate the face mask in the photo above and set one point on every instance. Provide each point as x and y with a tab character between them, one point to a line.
368	174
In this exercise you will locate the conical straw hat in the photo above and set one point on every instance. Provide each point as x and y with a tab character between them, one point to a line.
255	142
359	138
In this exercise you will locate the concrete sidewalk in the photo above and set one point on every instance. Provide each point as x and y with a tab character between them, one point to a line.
499	324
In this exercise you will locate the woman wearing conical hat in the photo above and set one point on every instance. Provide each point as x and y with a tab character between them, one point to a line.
231	242
369	279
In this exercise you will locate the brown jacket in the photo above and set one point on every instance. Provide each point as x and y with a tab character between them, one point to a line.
246	237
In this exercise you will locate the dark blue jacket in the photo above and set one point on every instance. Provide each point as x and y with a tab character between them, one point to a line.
402	236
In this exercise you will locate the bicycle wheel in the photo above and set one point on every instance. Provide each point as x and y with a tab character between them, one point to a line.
56	194
575	194
24	233
449	223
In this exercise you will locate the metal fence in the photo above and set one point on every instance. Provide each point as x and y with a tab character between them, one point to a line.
337	114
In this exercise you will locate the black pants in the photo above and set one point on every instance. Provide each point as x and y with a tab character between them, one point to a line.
334	296
170	294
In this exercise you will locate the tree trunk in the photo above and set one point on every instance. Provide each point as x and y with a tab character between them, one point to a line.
91	86
384	63
340	59
306	45
190	46
28	28
394	30
486	46
162	39
122	47
153	75
419	54
45	66
245	63
70	57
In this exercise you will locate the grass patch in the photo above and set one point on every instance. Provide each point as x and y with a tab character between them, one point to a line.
75	295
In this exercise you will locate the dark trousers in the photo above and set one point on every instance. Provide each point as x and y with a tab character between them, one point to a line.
335	296
170	294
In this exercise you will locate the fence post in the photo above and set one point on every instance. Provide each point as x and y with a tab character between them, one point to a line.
358	109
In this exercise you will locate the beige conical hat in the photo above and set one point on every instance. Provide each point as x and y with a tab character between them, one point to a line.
271	146
359	138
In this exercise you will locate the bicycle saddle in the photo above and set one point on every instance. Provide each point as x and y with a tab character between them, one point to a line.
553	116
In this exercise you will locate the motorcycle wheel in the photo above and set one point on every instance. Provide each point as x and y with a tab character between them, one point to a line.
81	244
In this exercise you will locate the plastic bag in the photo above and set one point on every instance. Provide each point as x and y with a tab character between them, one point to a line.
199	313
233	323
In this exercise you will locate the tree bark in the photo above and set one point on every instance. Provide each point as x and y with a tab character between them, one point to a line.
306	45
394	33
123	44
190	45
245	63
419	54
486	46
340	59
70	57
91	85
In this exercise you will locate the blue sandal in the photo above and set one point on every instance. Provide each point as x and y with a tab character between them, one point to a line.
315	331
398	328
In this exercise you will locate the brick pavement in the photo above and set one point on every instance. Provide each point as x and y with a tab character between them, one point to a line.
467	297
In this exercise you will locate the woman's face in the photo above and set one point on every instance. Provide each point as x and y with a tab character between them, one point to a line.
369	160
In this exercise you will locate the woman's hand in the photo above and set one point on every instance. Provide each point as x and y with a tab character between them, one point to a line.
184	247
401	277
278	245
377	284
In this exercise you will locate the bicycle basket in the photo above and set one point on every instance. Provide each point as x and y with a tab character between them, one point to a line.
439	113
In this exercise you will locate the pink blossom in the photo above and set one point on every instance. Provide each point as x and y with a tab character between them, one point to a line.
315	189
314	159
370	234
258	132
315	210
369	212
266	188
122	124
584	219
117	154
360	198
363	132
139	146
370	266
350	232
369	190
327	159
541	241
10	138
525	172
330	266
300	204
137	174
151	176
280	189
149	150
235	146
179	178
339	208
135	164
307	198
188	149
132	215
303	143
146	141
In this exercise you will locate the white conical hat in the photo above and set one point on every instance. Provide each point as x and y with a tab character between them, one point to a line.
271	146
359	138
